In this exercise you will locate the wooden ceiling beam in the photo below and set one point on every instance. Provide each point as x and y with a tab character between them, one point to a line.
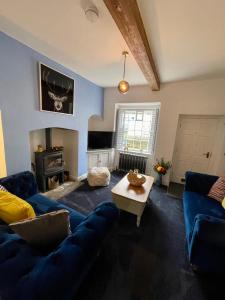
128	19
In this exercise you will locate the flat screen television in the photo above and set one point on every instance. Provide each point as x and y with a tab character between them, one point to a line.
100	139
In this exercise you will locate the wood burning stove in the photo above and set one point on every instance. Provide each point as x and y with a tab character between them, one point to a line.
48	163
53	162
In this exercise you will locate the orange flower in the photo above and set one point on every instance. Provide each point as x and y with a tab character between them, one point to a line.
159	169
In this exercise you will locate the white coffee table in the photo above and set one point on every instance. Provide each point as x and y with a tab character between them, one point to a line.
131	198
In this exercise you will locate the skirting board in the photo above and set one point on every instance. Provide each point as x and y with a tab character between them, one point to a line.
81	177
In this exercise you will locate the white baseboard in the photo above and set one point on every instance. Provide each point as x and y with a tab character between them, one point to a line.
72	178
81	177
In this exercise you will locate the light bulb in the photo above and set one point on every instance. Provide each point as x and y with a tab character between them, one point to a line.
123	86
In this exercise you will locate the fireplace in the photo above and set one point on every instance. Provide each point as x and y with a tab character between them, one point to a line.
53	162
49	163
59	156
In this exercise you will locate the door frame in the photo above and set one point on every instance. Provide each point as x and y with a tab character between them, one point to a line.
219	153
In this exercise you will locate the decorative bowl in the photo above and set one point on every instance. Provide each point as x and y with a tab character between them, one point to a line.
135	179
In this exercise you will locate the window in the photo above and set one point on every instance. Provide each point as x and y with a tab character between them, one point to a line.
136	129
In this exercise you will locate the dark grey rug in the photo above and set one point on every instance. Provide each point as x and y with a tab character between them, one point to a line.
145	263
86	198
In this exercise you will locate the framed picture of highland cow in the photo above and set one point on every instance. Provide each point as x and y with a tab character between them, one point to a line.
56	91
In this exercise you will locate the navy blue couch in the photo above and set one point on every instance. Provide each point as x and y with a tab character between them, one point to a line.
204	223
26	273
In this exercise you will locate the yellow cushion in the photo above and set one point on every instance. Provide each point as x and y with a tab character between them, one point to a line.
14	209
223	203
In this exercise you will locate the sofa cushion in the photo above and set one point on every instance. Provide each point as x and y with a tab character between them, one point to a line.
13	209
217	191
2	188
199	183
22	184
194	204
42	205
46	230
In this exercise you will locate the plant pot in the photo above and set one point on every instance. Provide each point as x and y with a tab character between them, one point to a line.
159	180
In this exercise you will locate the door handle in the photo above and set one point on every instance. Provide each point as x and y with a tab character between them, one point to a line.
207	154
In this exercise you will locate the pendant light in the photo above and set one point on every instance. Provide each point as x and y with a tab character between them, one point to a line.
123	85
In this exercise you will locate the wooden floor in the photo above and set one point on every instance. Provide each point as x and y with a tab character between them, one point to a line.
175	190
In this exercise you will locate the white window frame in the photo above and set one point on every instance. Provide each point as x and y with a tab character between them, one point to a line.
122	108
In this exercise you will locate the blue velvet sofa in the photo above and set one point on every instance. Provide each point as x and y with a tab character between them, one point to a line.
26	273
204	223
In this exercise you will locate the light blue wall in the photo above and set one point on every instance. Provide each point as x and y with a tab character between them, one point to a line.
19	103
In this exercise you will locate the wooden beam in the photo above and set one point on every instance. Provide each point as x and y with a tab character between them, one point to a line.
128	19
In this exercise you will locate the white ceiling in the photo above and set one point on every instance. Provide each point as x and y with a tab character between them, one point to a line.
187	37
60	30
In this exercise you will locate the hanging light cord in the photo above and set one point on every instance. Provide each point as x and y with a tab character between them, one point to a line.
124	65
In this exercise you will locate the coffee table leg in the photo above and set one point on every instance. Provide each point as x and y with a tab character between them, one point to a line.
138	220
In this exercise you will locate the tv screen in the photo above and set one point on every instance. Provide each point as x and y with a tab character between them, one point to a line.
100	139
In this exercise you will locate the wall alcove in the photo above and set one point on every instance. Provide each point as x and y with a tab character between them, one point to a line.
60	137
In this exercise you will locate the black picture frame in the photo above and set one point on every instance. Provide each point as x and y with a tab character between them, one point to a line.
56	91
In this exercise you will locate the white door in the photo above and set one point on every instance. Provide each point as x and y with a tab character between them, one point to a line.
194	146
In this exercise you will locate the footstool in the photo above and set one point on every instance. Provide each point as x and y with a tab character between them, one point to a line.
98	176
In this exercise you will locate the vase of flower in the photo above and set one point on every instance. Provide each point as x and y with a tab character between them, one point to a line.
158	181
161	167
